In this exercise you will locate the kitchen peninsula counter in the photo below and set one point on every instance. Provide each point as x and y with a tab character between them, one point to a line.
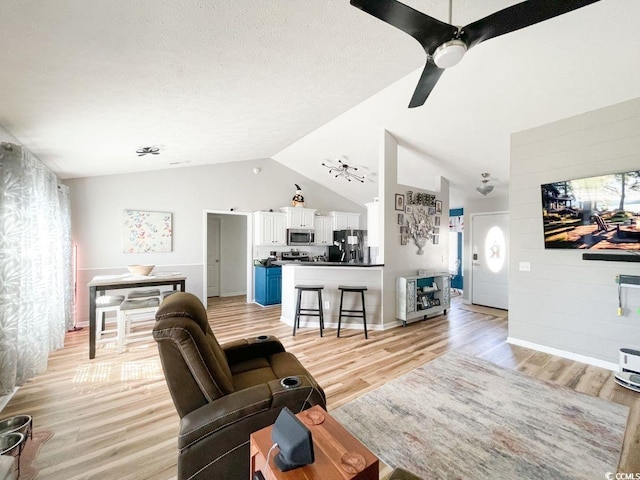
330	275
326	264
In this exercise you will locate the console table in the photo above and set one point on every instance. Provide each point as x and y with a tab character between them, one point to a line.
103	283
334	450
421	296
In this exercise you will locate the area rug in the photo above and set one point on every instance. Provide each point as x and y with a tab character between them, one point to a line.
461	417
28	471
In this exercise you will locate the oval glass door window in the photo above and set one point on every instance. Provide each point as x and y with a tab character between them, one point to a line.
494	249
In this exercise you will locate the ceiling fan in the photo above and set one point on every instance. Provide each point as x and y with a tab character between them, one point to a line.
148	150
446	44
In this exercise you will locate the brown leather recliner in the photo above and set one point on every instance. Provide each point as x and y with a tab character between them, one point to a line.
223	393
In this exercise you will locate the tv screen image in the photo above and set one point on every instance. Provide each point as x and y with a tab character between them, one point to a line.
601	213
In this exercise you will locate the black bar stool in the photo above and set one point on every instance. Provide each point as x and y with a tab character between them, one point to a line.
308	312
352	313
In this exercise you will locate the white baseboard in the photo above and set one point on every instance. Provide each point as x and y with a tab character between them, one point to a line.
233	294
565	354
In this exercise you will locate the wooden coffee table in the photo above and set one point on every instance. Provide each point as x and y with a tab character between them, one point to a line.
338	454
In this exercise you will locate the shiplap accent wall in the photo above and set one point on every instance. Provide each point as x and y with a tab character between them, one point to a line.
564	303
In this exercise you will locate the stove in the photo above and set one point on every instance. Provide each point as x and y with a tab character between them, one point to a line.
296	256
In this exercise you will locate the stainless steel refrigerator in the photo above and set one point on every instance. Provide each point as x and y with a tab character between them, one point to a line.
349	246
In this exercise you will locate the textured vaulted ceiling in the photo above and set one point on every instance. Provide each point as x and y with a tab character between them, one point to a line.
83	84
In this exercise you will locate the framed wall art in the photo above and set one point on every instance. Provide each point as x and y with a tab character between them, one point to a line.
400	202
147	232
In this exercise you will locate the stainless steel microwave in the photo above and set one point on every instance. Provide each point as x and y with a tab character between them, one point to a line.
298	236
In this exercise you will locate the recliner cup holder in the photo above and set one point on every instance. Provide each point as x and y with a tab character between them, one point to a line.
290	382
262	338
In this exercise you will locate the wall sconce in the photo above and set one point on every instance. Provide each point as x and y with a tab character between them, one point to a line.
485	189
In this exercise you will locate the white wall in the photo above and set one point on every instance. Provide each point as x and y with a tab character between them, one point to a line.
97	205
5	136
402	260
566	303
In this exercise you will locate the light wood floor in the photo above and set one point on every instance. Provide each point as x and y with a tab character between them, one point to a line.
113	418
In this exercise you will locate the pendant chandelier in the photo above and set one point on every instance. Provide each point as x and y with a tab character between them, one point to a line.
341	169
485	188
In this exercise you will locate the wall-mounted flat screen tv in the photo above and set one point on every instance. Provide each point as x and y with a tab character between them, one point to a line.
601	213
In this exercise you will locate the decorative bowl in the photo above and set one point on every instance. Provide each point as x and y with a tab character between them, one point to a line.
143	270
10	443
18	423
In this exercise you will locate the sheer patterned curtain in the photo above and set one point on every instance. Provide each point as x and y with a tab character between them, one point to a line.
35	266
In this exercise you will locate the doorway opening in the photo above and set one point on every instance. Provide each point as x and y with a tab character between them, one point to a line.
456	242
227	254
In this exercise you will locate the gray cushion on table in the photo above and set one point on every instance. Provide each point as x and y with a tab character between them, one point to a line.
144	293
140	303
109	300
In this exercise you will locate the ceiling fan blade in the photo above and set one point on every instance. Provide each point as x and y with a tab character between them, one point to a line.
517	16
428	79
428	31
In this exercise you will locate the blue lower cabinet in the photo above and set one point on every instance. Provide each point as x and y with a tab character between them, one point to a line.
268	285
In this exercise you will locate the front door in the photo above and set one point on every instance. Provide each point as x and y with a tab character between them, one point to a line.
490	260
213	256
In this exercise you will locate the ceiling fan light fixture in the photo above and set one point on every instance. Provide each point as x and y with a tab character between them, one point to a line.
148	150
449	53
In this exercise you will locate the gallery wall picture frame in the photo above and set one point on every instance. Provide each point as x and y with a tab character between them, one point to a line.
400	202
401	219
408	209
404	235
436	222
431	210
438	207
147	232
436	239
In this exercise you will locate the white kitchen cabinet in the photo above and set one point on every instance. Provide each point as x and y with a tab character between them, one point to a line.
422	296
270	228
323	226
298	217
345	220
